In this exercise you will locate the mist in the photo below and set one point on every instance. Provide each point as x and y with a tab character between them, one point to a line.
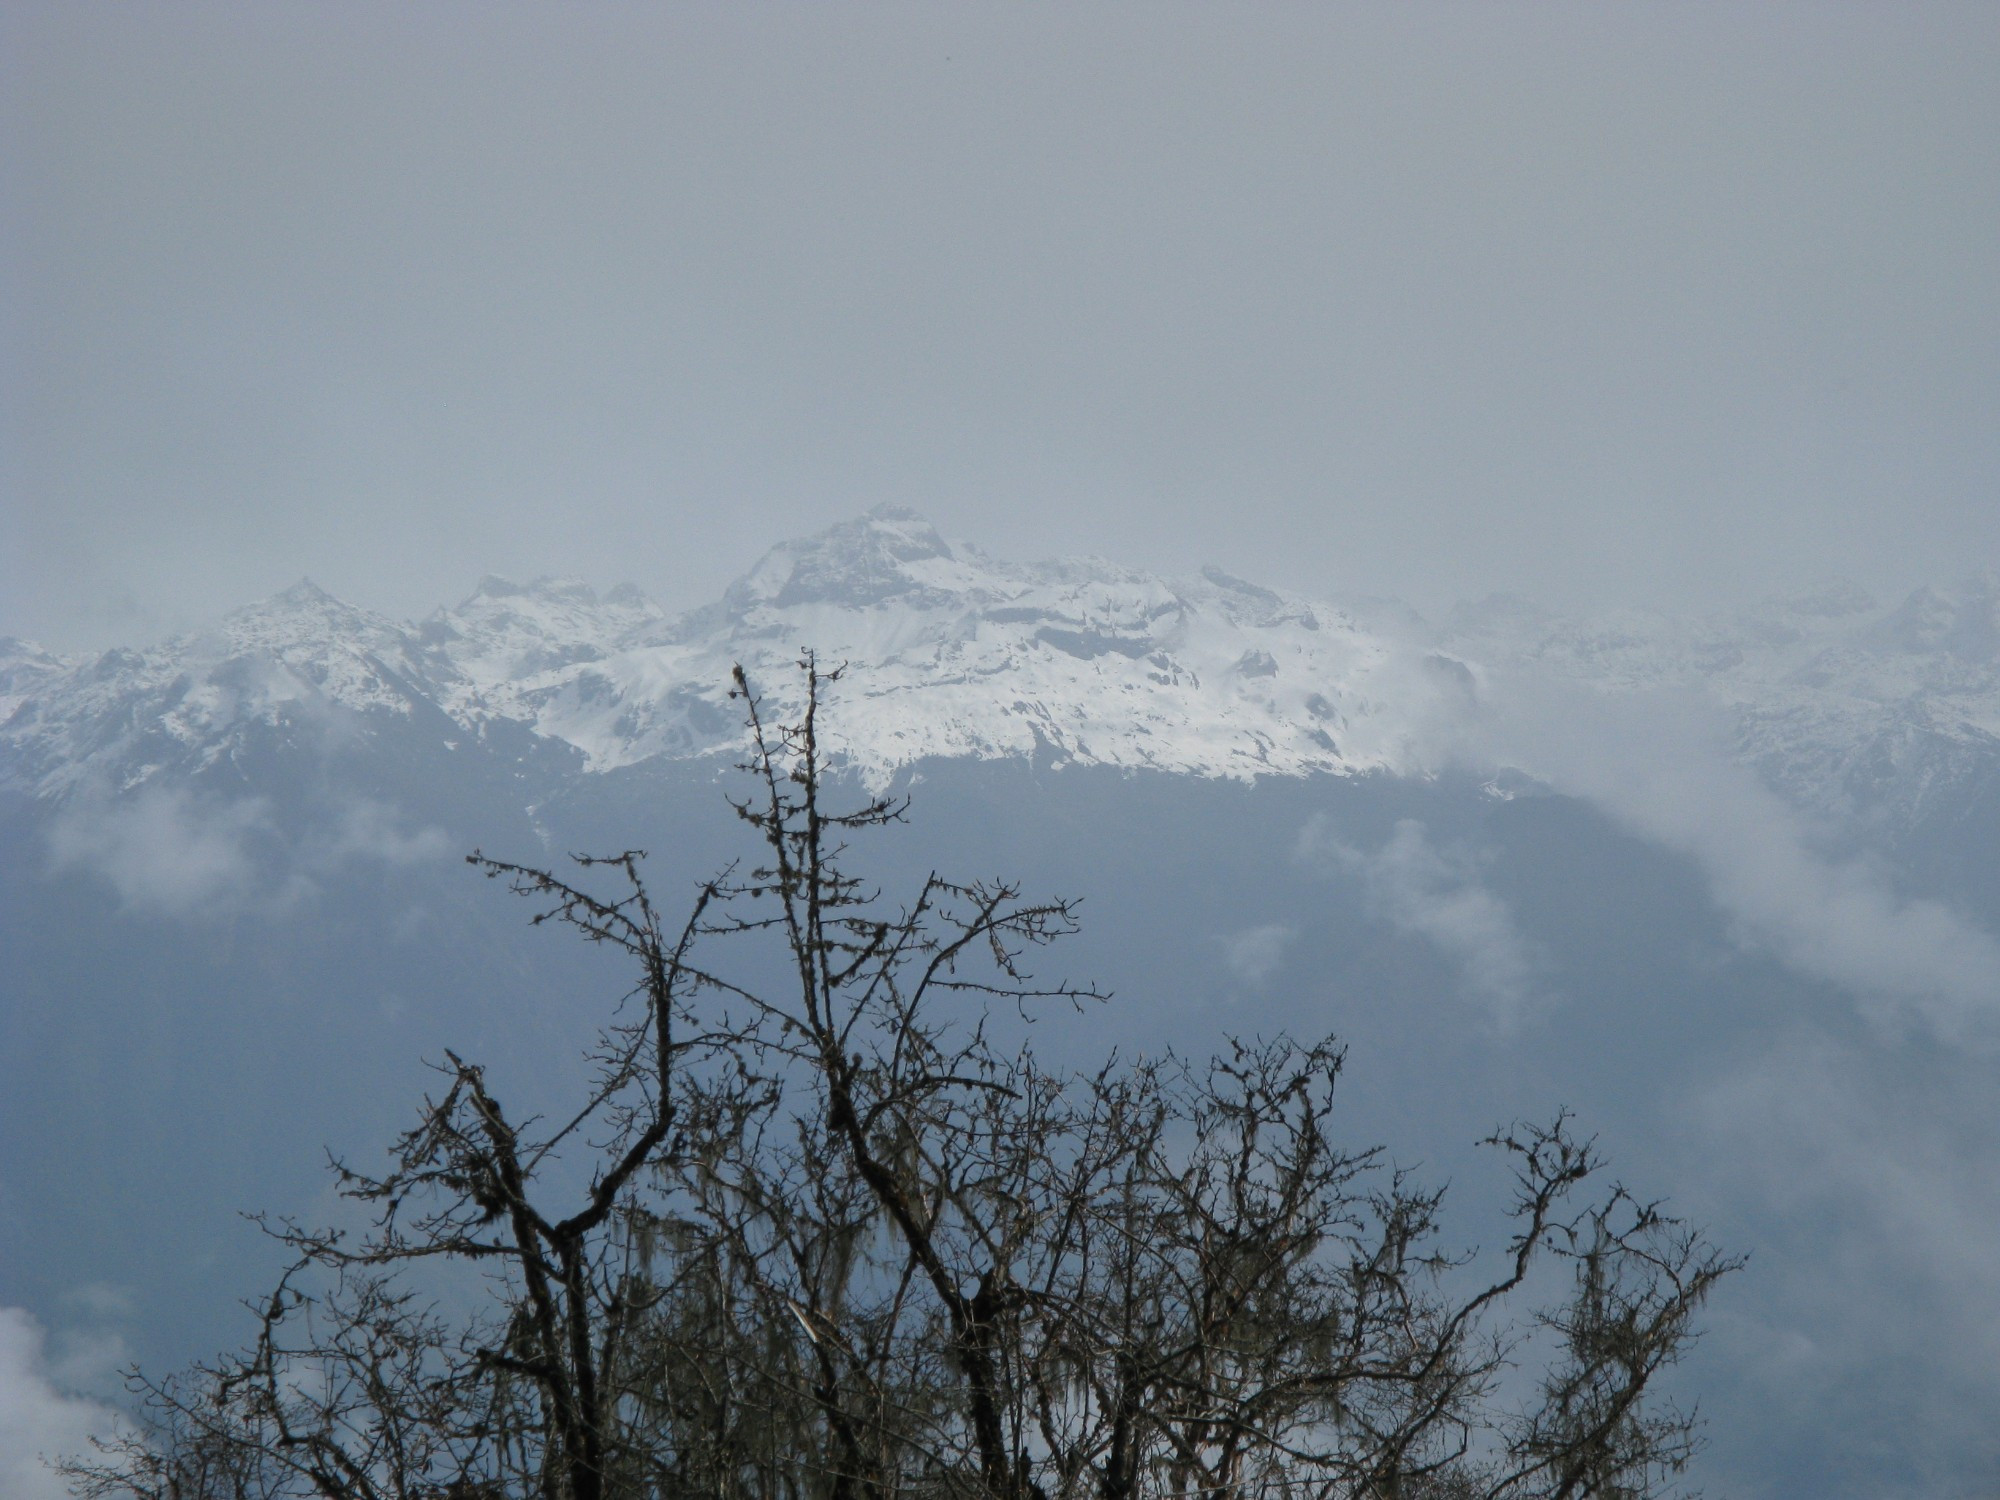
1605	305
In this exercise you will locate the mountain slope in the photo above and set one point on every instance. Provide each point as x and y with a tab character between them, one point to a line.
953	654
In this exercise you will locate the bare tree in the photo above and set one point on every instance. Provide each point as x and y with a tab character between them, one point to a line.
837	1242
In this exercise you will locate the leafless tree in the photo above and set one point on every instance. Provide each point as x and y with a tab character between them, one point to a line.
837	1242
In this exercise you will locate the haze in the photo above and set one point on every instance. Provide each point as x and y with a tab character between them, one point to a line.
1605	304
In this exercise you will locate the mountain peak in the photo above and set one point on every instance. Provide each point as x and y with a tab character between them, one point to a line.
308	629
547	586
1961	619
304	607
890	552
493	586
303	594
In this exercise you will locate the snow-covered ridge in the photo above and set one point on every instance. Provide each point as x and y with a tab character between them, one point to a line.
1839	703
953	653
949	652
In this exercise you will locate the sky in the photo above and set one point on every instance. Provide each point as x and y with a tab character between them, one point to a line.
1669	305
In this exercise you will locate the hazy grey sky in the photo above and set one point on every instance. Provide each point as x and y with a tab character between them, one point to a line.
1593	302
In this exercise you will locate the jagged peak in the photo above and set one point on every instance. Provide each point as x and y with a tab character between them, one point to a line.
303	601
870	559
24	667
14	648
493	586
1962	618
301	594
303	622
896	531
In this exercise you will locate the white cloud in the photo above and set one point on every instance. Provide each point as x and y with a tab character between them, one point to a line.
1659	764
164	850
40	1416
374	831
175	852
1254	954
1437	894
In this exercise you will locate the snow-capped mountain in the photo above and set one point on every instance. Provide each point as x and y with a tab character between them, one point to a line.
952	653
1839	704
26	669
296	662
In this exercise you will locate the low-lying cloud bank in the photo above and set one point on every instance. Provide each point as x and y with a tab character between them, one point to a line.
165	851
175	852
1660	765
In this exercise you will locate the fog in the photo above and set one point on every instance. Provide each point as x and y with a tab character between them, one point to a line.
1605	304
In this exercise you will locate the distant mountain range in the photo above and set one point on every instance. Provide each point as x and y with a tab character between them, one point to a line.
1879	716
